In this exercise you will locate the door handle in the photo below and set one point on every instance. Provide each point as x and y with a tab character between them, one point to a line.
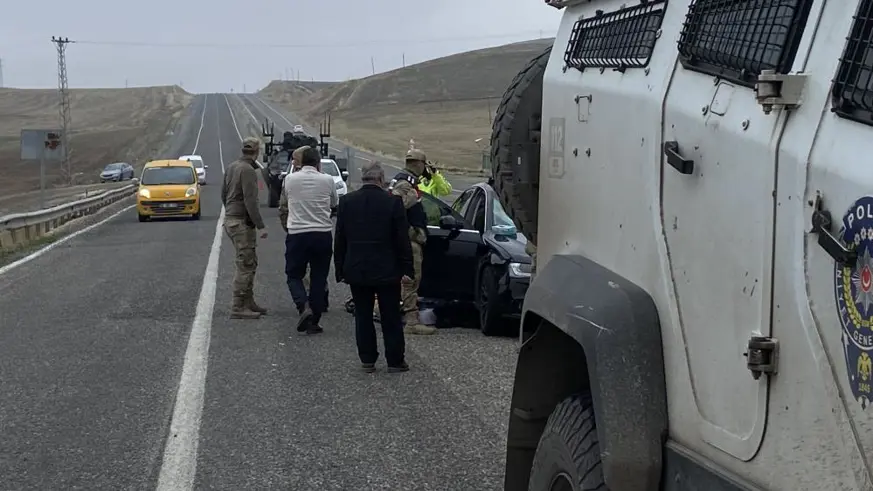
675	159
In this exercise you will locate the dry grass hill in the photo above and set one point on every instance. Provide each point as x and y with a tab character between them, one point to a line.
445	104
108	125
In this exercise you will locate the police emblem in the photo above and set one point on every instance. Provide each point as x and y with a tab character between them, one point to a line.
854	295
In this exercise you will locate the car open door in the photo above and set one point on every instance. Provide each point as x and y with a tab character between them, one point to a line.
450	255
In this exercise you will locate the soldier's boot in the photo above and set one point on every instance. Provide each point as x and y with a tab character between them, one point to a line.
253	306
240	310
414	326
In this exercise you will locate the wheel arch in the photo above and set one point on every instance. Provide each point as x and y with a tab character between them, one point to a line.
594	331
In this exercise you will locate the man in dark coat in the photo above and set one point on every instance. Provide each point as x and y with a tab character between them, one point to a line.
373	254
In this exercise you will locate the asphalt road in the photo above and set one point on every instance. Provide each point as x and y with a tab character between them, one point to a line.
261	109
119	369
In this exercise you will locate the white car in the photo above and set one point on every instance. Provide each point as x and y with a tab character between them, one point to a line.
329	167
199	166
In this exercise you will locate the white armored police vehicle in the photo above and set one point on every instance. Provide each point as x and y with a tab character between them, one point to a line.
697	176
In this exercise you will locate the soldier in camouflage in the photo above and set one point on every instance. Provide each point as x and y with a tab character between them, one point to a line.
405	184
239	194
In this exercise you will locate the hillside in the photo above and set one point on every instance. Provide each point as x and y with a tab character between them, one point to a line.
443	104
107	125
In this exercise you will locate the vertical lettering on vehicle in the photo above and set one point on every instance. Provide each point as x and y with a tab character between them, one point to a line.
556	147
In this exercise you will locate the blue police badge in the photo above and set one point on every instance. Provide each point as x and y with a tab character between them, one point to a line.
854	295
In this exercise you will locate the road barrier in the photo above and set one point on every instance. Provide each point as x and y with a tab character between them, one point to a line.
19	229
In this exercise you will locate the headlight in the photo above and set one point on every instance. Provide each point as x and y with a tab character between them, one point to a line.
519	270
340	185
190	192
145	193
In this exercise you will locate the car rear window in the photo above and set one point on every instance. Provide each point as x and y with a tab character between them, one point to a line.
157	176
197	163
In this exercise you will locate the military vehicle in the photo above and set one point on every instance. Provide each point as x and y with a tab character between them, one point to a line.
278	158
278	155
695	179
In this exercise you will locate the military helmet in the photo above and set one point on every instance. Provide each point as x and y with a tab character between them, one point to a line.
415	154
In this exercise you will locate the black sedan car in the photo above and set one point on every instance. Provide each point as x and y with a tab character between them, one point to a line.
474	254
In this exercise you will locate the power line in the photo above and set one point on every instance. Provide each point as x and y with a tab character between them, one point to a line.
307	46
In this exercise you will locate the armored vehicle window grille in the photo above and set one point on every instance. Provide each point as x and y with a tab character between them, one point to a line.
737	39
853	88
621	39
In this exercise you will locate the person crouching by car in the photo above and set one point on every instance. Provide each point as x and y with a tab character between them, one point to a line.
309	197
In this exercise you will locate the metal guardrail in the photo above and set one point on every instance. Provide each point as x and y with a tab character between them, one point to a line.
20	228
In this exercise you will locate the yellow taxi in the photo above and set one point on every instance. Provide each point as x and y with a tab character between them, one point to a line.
168	188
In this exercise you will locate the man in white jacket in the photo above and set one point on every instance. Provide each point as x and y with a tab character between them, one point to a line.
305	208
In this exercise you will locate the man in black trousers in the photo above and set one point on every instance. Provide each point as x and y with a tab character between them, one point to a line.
372	253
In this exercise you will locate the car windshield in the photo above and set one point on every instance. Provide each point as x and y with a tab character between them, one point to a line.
500	216
157	176
330	168
113	167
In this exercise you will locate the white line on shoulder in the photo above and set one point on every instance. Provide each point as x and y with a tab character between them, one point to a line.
43	250
202	120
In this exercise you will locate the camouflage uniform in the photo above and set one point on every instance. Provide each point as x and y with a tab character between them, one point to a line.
405	185
239	194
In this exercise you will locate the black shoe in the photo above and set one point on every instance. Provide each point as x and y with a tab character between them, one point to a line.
399	368
368	367
304	321
314	329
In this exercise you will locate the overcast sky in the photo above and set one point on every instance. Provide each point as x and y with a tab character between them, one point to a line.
349	33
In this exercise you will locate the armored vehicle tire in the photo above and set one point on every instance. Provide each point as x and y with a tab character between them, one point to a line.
515	135
568	454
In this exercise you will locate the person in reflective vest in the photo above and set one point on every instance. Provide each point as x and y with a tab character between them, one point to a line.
405	185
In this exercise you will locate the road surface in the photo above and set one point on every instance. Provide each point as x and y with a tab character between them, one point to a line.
119	369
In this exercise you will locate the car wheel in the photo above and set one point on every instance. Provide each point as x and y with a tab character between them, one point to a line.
196	216
143	218
275	193
568	453
488	302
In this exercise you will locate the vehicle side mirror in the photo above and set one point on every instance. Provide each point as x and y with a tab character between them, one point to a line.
345	175
134	181
205	166
448	222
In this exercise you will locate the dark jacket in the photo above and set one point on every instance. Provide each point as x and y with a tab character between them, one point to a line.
371	241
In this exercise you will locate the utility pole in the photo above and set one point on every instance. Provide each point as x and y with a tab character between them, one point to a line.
64	109
373	64
404	60
1	73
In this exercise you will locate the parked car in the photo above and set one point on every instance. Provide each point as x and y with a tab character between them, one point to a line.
119	171
475	255
199	166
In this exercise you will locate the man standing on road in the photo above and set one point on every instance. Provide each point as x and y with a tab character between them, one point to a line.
373	254
239	194
309	197
405	184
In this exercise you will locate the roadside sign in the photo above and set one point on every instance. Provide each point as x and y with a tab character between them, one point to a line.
46	145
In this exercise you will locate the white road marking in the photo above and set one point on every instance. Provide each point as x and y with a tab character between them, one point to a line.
179	465
232	118
43	250
202	120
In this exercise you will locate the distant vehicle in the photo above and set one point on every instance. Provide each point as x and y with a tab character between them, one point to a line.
329	167
474	254
277	157
199	166
119	171
168	188
298	128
